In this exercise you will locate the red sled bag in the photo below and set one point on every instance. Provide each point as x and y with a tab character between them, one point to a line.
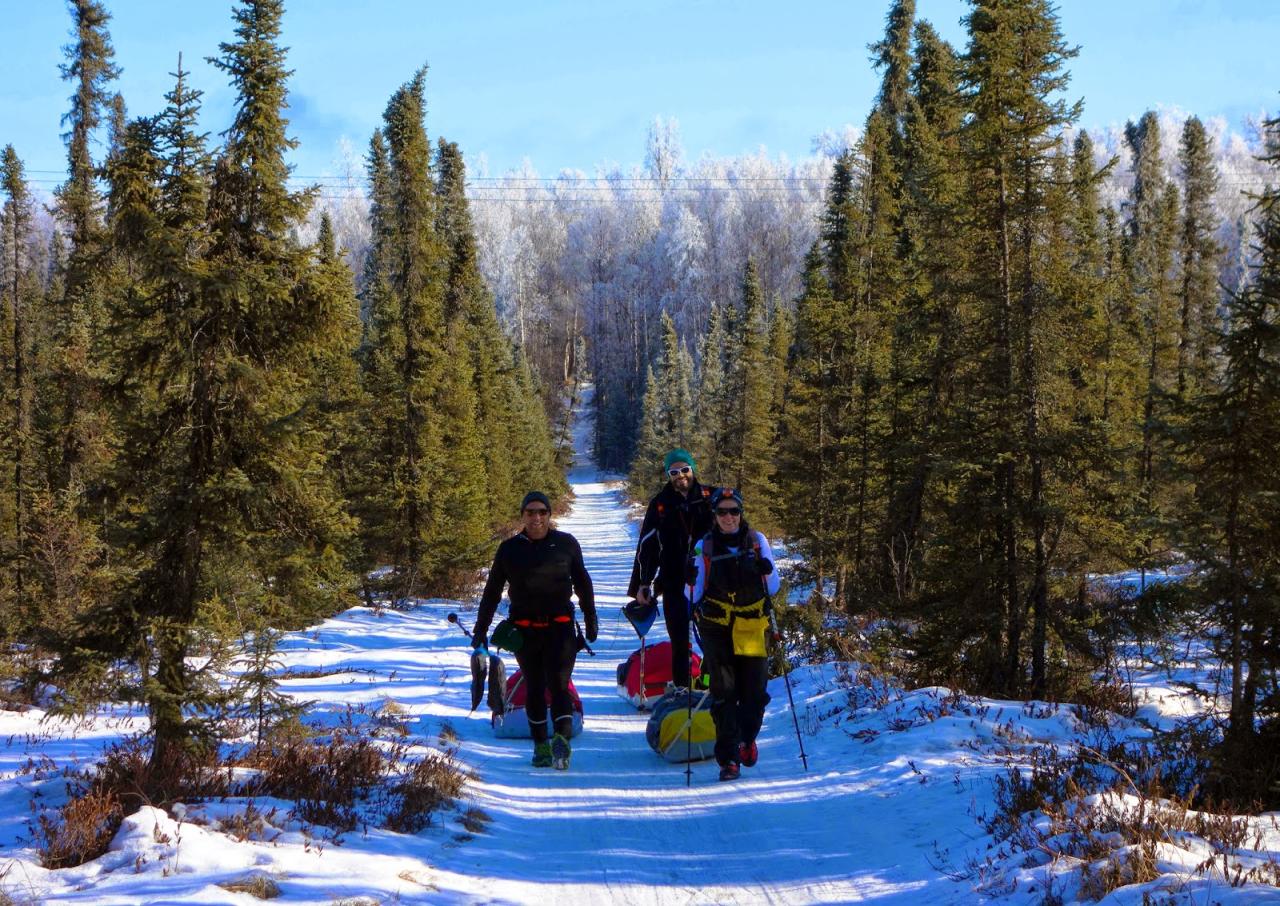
643	677
513	723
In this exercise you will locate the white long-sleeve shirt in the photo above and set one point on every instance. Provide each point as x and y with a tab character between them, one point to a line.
771	582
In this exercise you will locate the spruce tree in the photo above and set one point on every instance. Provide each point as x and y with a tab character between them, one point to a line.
537	466
1013	72
486	345
1099	359
934	310
20	293
78	433
235	519
334	376
667	414
1199	255
808	445
643	479
892	55
1149	249
404	360
754	417
710	401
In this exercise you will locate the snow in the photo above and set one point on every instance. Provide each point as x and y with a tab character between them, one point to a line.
888	811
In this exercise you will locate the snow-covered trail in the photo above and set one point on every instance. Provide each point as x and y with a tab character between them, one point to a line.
622	826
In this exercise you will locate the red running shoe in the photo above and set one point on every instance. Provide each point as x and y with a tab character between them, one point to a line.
729	771
748	754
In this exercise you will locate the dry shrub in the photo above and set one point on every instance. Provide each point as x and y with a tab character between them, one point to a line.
251	824
476	821
184	775
82	830
430	784
261	886
340	770
325	779
126	779
353	777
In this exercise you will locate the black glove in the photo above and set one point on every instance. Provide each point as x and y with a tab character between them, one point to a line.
480	639
691	572
764	566
593	627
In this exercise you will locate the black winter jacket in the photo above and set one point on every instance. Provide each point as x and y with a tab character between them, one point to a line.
664	546
542	575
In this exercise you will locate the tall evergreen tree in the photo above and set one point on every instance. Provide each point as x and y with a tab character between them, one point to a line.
333	376
1149	249
224	328
667	415
1013	72
933	311
711	400
642	479
78	441
433	365
752	373
406	336
892	55
19	291
1199	255
509	413
491	364
808	443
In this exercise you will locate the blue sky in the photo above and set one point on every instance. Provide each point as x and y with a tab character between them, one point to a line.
576	84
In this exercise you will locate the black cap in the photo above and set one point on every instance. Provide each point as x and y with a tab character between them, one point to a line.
535	496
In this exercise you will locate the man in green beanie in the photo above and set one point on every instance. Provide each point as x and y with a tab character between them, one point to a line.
677	517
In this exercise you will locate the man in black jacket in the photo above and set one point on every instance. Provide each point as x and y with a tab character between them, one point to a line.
677	517
543	566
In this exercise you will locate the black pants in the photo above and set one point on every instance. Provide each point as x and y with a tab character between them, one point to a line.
546	660
675	610
739	690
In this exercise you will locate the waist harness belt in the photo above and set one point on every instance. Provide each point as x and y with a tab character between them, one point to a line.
541	624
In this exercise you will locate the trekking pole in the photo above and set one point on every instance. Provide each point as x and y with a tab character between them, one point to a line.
688	724
786	677
689	546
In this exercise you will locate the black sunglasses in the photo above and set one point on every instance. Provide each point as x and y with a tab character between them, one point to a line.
536	512
728	511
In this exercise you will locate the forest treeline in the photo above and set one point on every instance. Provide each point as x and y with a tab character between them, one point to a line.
202	436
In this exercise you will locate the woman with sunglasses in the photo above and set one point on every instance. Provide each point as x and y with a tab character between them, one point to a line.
543	567
733	576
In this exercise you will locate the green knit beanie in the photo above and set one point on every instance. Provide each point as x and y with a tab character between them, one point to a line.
678	455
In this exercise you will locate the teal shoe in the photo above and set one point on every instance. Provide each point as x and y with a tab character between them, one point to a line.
559	753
